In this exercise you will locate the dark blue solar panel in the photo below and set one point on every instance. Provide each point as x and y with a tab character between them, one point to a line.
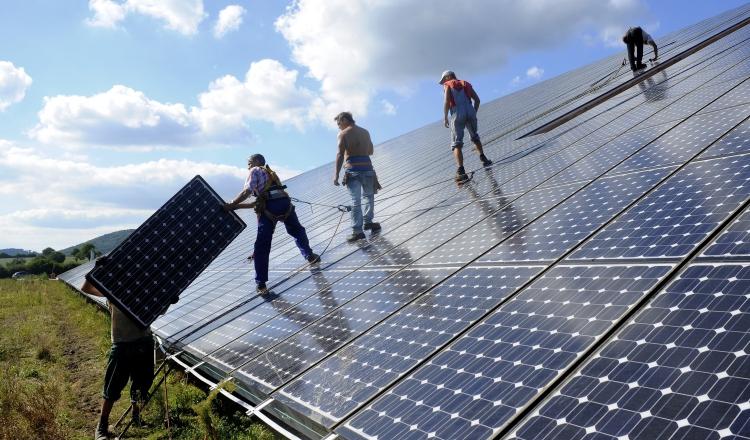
479	382
677	215
336	387
679	370
150	269
564	227
687	139
734	241
736	141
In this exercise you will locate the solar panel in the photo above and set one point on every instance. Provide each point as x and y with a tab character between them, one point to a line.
474	311
148	271
679	369
477	383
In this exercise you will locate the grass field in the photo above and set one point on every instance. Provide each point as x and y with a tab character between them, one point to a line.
53	353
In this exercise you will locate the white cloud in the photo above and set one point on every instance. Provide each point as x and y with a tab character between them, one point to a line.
230	19
534	73
355	48
52	201
269	93
126	118
388	108
13	84
180	15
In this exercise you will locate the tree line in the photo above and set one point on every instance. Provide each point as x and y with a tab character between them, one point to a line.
48	262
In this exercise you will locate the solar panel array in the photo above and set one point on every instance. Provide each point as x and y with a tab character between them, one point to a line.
591	283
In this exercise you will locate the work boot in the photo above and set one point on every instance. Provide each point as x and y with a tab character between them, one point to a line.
313	258
261	288
640	66
374	227
100	433
354	237
485	162
461	175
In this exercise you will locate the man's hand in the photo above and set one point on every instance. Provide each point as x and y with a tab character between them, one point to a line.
336	181
445	122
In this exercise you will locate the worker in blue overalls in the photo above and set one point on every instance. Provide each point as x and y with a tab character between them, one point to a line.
272	204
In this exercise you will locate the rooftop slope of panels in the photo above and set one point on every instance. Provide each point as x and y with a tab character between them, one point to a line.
473	302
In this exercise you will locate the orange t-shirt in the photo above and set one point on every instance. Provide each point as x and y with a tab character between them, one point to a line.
458	85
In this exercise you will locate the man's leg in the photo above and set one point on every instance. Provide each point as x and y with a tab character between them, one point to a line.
141	378
473	128
296	230
115	378
459	156
354	185
368	196
262	248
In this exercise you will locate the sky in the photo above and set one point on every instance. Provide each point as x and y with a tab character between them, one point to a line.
108	107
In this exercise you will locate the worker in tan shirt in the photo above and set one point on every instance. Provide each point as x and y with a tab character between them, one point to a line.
354	151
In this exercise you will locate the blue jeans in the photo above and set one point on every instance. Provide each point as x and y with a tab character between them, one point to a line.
361	185
265	234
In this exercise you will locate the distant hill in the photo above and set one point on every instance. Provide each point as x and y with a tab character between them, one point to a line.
105	243
14	251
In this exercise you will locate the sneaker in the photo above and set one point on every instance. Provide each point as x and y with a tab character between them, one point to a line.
100	433
461	175
313	258
374	227
354	237
640	66
485	162
261	288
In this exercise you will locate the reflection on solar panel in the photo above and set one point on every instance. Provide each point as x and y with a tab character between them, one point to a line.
590	283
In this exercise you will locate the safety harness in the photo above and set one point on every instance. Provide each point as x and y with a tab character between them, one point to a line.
273	190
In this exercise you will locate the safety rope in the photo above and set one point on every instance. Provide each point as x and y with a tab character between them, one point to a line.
320	256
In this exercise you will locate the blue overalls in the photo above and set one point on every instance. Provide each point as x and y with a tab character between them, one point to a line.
462	115
276	206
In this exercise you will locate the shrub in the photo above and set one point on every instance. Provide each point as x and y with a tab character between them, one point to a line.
4	273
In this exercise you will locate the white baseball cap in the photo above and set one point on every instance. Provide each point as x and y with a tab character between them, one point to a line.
446	73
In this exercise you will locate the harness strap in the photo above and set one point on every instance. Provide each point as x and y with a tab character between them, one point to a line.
354	164
278	218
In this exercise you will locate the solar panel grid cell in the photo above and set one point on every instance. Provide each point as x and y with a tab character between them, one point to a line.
677	215
475	385
677	370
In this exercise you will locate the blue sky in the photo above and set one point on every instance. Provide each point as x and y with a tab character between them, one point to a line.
109	106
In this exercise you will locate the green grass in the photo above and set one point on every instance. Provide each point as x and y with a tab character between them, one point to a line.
53	353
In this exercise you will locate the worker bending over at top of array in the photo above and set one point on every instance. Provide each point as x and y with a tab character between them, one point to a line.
354	151
272	204
635	38
458	97
131	356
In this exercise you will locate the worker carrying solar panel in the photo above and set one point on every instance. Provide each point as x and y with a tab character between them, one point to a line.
131	356
457	99
354	151
635	38
272	204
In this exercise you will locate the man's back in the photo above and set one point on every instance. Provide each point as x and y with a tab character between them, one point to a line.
356	141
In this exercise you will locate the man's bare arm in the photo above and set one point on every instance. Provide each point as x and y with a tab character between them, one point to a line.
656	51
234	203
339	157
446	105
89	288
475	97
